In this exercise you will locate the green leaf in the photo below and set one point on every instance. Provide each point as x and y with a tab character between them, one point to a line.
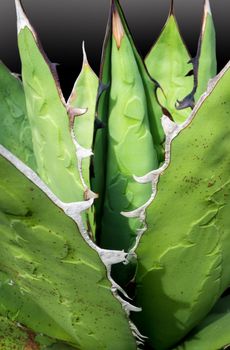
15	133
184	254
206	56
52	277
47	111
100	143
84	96
213	332
58	346
168	63
129	144
150	86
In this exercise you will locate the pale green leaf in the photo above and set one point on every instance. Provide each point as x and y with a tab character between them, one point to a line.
53	145
51	280
168	63
184	254
206	64
84	96
15	133
130	146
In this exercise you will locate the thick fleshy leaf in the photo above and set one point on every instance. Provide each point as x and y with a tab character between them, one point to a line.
130	145
168	63
150	85
84	96
184	254
100	142
52	278
53	145
15	133
206	65
213	332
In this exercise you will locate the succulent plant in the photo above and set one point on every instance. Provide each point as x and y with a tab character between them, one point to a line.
114	205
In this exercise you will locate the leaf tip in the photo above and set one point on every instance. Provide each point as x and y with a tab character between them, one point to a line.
22	20
207	12
207	7
85	59
118	30
171	11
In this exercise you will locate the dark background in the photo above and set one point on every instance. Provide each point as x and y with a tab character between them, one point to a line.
63	24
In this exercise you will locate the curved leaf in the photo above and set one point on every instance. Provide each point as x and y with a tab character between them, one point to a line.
52	280
184	254
213	332
53	145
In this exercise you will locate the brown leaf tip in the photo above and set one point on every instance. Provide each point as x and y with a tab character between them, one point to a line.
171	11
118	30
207	11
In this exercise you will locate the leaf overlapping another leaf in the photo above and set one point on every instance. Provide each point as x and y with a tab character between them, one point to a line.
48	269
213	332
169	63
54	280
130	147
53	147
183	257
15	132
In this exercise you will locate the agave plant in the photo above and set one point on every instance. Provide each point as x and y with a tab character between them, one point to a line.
114	205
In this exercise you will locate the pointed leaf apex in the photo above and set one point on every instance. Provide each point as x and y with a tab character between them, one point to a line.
171	11
118	29
207	8
85	59
22	20
207	11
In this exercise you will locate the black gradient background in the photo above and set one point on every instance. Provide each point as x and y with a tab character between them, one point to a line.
63	24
